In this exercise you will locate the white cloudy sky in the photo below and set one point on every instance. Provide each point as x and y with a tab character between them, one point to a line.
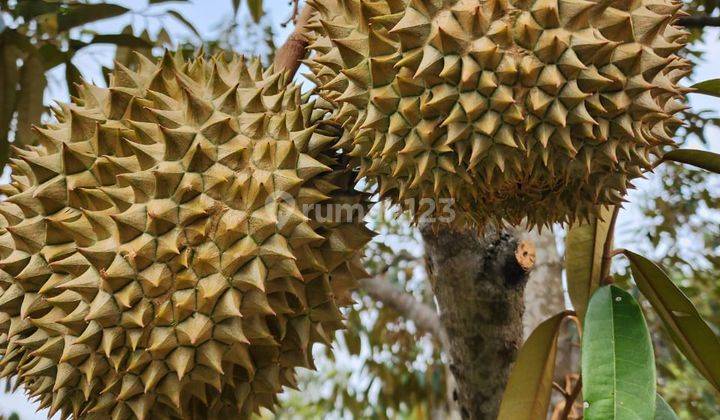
208	15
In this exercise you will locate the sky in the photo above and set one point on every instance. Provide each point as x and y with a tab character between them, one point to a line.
209	15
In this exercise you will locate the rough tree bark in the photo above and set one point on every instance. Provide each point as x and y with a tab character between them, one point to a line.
479	282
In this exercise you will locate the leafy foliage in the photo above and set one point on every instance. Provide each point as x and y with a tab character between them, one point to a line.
688	330
584	258
381	367
618	364
43	34
527	395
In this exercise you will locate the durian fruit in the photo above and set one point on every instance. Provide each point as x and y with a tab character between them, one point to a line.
157	260
535	110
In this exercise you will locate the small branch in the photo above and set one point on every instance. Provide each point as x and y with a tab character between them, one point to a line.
288	56
607	248
698	21
424	316
615	252
570	399
559	389
294	14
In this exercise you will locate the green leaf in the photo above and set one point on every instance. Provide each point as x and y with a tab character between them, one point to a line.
583	259
73	78
184	21
700	158
80	14
708	87
618	365
30	98
122	54
51	56
527	394
124	40
256	9
32	8
663	411
9	76
686	327
354	344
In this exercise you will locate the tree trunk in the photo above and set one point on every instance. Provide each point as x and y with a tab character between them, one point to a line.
479	282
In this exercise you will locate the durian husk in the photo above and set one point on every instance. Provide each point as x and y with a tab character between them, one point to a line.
520	111
156	261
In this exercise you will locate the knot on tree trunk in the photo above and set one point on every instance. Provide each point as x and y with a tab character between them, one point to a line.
479	280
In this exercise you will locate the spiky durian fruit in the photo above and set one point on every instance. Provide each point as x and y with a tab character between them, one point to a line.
523	109
156	258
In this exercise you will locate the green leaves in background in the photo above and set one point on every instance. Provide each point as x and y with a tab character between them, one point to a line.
73	78
30	97
79	14
688	330
255	6
527	395
9	76
184	21
583	259
708	87
663	411
256	9
124	40
706	160
618	365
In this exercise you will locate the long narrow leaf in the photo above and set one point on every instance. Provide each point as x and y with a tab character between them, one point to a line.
30	98
9	76
663	411
583	259
256	9
80	14
73	77
700	158
708	87
527	394
686	327
177	15
125	40
618	365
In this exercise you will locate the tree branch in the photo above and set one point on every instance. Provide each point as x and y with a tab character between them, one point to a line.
698	21
288	56
424	316
478	282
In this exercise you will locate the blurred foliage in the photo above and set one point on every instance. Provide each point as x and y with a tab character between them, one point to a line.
381	366
680	229
37	36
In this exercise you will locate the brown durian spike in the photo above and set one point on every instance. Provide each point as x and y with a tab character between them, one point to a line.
156	258
520	110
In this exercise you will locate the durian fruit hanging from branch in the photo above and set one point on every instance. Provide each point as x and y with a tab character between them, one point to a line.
518	110
156	259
